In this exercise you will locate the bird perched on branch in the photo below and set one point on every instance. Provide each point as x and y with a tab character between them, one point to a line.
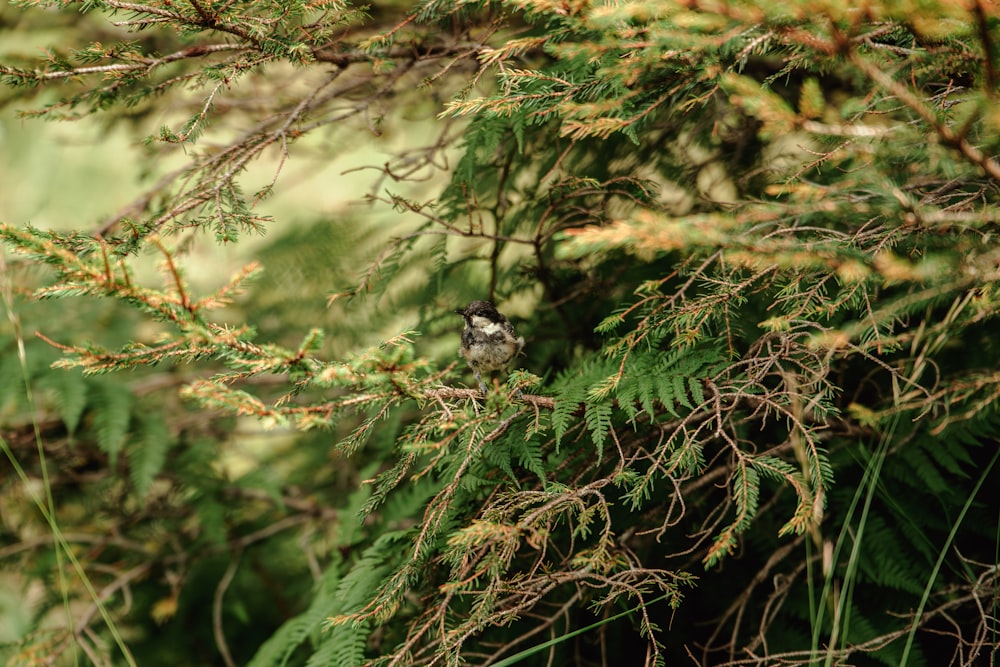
488	341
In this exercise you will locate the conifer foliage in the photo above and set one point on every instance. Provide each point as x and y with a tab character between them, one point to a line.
752	247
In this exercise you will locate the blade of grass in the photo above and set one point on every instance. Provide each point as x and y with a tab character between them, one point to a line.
869	486
866	491
941	556
528	652
46	505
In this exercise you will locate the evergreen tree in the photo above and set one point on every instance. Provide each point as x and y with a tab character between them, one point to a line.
751	248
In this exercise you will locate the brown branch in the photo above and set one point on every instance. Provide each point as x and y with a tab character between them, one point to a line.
220	591
927	114
205	16
412	52
456	393
144	64
989	54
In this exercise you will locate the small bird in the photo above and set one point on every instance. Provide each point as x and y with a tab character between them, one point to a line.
488	341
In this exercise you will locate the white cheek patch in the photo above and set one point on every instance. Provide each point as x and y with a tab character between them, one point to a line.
487	326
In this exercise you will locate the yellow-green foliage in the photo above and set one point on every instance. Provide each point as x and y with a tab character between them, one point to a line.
752	249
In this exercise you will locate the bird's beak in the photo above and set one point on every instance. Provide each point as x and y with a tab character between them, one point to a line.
460	311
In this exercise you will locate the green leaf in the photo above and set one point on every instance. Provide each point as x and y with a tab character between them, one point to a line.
148	453
279	648
69	394
598	418
112	405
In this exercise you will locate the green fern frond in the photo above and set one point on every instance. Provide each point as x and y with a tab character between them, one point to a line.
573	391
598	419
342	645
670	380
281	646
148	453
366	576
112	408
70	394
529	454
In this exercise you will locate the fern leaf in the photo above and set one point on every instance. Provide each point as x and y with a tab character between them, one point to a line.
344	646
280	646
566	405
598	418
147	457
697	391
498	456
366	576
679	385
529	454
112	405
69	395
